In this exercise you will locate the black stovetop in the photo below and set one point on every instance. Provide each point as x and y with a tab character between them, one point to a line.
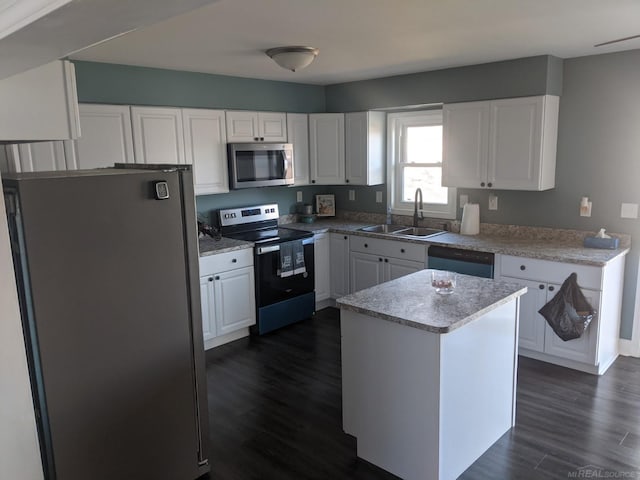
272	235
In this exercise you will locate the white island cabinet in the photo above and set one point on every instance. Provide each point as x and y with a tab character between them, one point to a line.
429	381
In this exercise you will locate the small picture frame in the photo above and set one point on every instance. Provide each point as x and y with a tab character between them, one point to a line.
326	205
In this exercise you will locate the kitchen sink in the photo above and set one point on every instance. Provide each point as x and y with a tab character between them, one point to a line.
384	228
402	230
419	232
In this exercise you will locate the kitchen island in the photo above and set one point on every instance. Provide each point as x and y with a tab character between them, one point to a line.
429	380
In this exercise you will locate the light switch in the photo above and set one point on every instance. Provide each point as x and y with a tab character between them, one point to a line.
629	210
299	196
493	201
352	195
464	199
378	197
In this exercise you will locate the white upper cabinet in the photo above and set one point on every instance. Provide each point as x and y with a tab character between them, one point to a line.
365	148
326	148
40	104
157	135
505	144
205	142
245	126
465	141
35	157
106	137
298	135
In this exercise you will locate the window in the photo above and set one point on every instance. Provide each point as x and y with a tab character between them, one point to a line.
415	161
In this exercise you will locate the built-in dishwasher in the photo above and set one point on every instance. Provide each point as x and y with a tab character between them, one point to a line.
467	262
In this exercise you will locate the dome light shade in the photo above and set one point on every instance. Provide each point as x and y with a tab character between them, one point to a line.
293	58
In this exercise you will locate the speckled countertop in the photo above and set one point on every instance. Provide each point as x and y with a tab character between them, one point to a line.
567	248
209	246
411	301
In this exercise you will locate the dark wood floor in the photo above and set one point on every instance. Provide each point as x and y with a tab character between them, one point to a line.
275	407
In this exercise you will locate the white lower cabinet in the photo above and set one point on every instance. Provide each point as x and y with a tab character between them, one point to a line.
339	264
597	348
374	261
322	277
227	292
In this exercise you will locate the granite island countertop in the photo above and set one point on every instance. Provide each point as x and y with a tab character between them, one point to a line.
543	247
412	301
209	246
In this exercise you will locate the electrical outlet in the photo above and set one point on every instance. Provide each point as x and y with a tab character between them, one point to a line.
298	196
493	201
352	195
464	199
378	197
629	210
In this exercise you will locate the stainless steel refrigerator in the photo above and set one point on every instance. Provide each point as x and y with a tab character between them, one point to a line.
107	271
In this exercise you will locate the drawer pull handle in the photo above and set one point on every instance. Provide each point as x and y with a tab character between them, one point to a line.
345	237
402	250
211	279
386	260
489	184
233	260
379	259
522	267
482	184
541	286
366	245
551	288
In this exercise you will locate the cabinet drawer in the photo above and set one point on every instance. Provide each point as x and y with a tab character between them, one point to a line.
221	262
389	248
550	272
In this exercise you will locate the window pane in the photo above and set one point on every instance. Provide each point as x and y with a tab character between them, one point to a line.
424	144
429	179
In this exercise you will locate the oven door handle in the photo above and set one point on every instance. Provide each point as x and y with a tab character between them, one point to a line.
275	248
271	248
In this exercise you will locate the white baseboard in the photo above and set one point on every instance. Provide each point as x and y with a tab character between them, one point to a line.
628	348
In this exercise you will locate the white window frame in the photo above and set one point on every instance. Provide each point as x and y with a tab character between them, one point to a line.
396	125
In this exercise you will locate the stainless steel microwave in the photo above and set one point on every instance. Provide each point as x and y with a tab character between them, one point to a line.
260	165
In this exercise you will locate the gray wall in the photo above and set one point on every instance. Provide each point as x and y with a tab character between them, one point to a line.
510	78
123	84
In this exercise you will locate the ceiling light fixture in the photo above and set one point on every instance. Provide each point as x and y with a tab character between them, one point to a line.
293	58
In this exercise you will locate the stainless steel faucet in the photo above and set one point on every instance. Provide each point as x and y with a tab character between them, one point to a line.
415	207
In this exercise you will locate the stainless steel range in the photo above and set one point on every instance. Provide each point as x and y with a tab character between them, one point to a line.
283	262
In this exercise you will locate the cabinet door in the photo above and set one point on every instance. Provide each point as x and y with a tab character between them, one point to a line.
235	300
157	135
205	145
326	148
464	150
364	148
242	126
106	136
532	324
298	135
582	349
208	307
366	271
36	157
514	143
339	264
272	126
397	267
321	266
